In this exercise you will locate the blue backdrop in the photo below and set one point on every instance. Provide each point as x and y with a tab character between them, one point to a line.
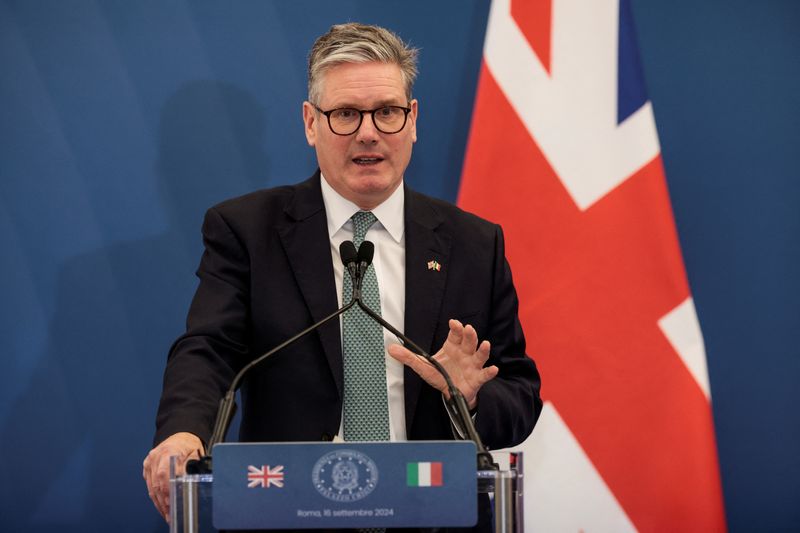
120	122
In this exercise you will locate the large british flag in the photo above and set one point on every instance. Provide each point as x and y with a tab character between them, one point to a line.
563	152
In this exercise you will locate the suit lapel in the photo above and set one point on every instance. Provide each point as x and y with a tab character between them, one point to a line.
305	240
426	241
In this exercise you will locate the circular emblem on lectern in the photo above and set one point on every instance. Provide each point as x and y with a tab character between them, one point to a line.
344	475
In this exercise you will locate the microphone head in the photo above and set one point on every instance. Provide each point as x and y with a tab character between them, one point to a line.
365	253
347	251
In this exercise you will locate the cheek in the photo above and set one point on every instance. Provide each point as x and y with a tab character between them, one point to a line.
407	146
331	150
338	147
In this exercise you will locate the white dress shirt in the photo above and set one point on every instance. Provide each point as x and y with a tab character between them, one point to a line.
388	236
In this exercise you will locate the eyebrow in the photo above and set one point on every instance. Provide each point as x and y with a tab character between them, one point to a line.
378	105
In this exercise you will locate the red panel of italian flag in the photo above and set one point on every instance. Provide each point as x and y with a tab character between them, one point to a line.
564	154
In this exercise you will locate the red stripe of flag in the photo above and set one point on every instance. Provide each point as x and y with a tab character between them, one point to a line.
436	474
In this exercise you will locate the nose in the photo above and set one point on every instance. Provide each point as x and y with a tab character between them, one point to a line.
367	133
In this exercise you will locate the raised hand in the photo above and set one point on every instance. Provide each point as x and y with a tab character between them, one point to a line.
460	355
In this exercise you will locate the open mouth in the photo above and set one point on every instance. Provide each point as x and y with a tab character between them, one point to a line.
367	161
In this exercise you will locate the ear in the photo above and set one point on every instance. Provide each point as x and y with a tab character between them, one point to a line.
310	123
412	119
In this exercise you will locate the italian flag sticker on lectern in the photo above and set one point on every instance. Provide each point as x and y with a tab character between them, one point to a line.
424	474
563	152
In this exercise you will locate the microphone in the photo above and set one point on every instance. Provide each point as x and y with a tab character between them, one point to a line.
347	251
365	254
456	404
227	406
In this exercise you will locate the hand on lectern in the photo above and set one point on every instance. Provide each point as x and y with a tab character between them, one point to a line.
461	356
155	468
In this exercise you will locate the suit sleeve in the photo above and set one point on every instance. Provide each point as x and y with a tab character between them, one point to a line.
203	361
509	405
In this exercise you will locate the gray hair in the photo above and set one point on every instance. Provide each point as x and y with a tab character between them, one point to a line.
359	43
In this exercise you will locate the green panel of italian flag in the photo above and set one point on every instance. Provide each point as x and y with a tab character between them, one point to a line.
424	474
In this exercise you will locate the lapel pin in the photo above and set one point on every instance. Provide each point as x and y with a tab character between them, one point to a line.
434	265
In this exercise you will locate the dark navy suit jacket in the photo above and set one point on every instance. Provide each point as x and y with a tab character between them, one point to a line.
267	273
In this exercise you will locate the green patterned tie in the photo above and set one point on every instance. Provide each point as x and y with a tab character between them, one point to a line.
366	404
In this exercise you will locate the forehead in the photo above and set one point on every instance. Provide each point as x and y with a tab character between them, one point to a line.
362	84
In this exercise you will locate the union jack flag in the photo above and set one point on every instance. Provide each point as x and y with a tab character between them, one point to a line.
265	476
563	151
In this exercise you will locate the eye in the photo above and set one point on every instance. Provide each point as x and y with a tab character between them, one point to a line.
344	114
386	112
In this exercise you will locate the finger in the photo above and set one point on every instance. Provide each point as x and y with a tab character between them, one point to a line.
399	352
161	485
409	358
456	331
455	324
418	364
469	340
488	374
147	472
150	466
483	352
153	490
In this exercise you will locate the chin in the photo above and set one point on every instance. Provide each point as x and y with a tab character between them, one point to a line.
372	193
371	184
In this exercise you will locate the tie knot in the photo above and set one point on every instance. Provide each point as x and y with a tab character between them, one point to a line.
361	223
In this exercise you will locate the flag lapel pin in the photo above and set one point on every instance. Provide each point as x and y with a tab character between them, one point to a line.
434	265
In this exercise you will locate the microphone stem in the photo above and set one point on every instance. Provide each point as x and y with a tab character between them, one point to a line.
457	402
228	406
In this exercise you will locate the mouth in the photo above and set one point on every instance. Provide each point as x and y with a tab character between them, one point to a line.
367	160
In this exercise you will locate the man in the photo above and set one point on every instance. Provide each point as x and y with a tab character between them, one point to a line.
271	268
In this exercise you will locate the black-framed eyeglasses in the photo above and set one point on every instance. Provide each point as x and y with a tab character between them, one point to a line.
347	120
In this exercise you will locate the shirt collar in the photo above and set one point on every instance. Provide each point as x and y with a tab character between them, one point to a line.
339	209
